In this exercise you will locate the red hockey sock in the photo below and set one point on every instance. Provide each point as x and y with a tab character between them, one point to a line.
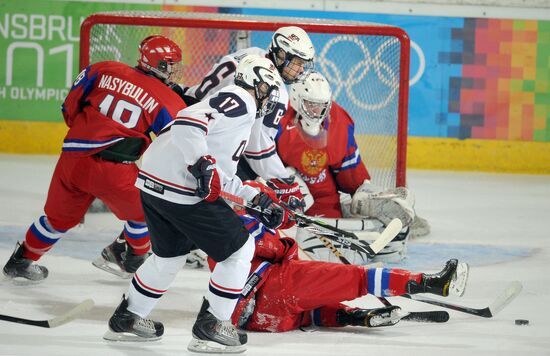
137	236
387	282
40	238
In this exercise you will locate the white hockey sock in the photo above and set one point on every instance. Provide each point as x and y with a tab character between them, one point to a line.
151	281
227	281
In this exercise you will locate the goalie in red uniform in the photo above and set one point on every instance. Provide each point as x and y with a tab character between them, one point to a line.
110	111
316	141
284	293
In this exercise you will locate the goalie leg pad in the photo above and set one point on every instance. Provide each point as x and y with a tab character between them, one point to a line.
419	227
396	250
316	250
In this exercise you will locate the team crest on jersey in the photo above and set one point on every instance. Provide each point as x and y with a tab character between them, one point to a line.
314	161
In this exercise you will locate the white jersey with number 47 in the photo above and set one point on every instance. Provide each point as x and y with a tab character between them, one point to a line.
261	152
219	126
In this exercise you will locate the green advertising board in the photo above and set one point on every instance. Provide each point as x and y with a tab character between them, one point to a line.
39	50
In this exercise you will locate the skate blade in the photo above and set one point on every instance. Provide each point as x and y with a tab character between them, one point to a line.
19	281
387	320
209	347
127	337
457	286
107	266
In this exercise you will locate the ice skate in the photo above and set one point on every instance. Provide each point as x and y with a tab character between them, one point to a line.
118	259
127	326
450	281
211	335
22	270
371	318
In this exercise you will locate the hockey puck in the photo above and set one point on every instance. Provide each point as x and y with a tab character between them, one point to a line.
522	322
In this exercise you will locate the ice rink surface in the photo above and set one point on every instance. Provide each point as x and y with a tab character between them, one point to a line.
498	223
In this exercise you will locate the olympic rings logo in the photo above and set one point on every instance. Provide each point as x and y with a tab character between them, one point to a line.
386	73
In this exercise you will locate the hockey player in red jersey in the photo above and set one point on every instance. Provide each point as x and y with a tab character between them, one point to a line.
284	293
316	139
110	111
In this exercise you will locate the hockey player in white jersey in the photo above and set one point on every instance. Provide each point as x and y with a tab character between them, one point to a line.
180	180
292	52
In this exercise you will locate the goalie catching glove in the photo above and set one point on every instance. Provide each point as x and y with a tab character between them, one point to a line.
370	201
208	179
288	191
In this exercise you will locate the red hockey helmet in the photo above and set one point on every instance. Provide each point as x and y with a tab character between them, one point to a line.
159	55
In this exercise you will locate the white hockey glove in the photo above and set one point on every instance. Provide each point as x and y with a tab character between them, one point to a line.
371	201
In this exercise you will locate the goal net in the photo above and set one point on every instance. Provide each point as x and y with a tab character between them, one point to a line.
366	64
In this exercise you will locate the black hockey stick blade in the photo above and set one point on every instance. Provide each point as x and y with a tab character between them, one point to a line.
503	299
64	318
434	316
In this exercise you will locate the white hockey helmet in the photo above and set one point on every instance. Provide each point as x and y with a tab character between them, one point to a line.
259	74
291	49
311	98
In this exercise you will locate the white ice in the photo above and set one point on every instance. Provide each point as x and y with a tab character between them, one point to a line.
498	223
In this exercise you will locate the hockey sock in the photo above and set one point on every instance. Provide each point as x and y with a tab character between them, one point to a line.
137	236
327	315
151	281
40	238
227	281
388	282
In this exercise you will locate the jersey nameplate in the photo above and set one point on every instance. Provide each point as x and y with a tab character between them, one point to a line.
252	281
154	186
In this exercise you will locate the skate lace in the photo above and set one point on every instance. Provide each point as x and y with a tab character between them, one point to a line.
227	329
146	325
34	269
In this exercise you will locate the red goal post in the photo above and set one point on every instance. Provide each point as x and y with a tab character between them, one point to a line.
366	64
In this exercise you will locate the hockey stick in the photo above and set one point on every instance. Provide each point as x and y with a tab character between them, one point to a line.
68	316
338	235
393	228
300	218
435	316
502	300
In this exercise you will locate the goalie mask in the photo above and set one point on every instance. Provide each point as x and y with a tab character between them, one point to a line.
159	56
292	52
311	98
260	75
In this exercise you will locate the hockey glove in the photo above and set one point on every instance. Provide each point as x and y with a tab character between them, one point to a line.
208	180
384	206
271	215
288	191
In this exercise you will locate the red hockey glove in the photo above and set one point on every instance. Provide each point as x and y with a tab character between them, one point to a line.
290	248
208	180
288	191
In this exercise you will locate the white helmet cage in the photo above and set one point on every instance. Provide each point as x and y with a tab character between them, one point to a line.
259	73
295	43
311	98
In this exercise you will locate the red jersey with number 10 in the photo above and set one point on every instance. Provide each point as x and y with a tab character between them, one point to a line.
110	101
327	170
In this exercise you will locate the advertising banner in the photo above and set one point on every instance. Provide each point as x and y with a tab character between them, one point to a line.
39	43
